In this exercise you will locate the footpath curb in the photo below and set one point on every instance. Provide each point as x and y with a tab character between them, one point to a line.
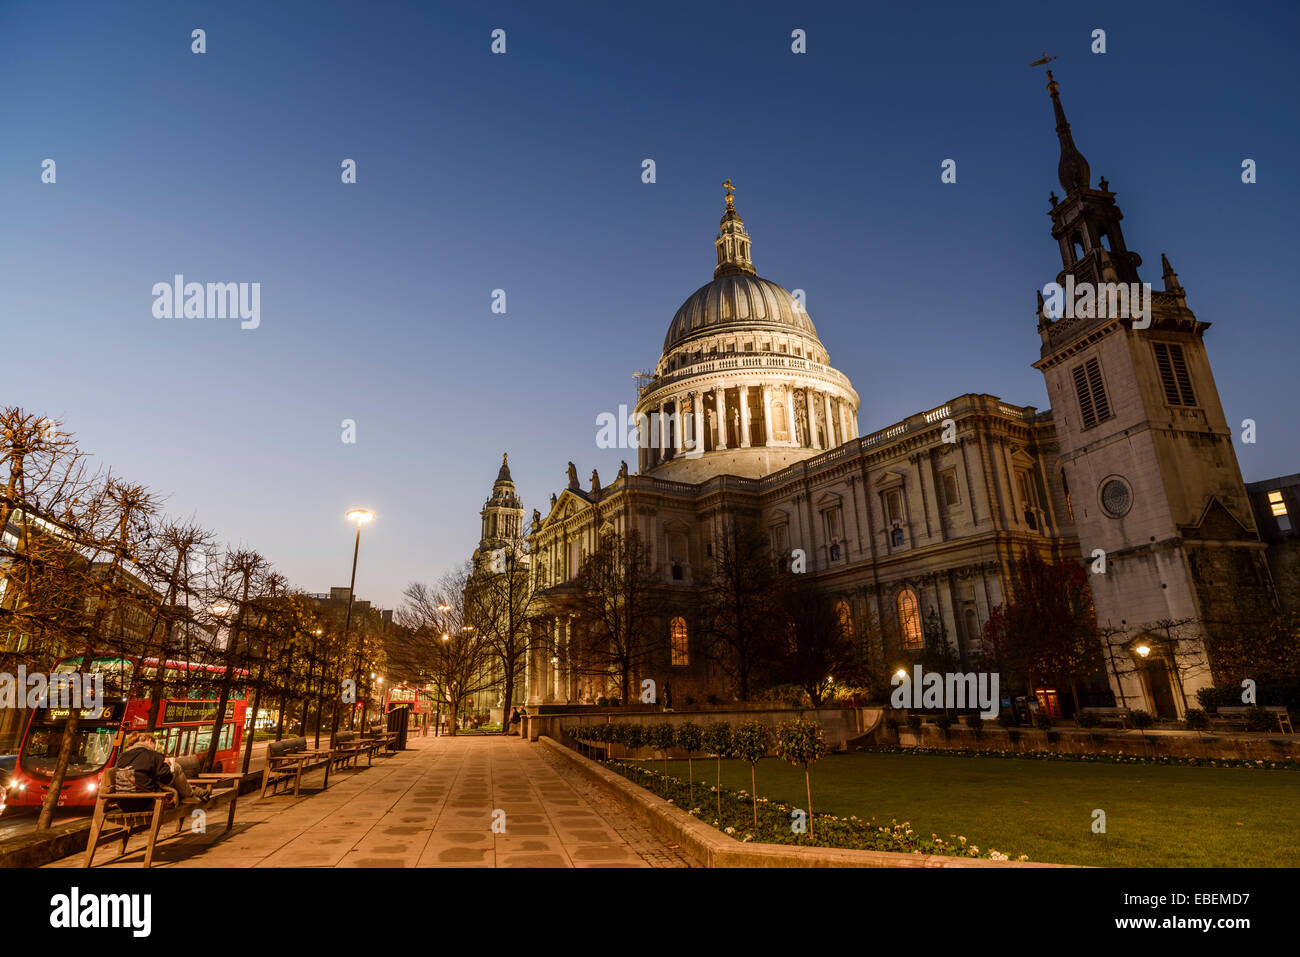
711	848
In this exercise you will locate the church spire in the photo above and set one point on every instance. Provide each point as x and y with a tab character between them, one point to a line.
1072	170
504	474
732	242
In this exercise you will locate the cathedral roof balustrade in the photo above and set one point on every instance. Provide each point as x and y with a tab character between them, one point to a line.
767	361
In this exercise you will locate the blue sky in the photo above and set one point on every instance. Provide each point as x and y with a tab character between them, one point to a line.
522	172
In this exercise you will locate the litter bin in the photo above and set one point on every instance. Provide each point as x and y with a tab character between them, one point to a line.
397	720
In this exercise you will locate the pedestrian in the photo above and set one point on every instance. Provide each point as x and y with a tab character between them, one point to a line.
141	768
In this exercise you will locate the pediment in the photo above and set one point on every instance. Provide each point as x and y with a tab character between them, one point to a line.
1218	524
888	479
829	500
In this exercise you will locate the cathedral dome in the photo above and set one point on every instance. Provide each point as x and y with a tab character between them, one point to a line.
744	385
738	302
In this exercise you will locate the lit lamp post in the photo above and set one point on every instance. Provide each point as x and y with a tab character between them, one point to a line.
360	516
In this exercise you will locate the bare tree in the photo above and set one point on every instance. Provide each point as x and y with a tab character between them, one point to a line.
457	653
616	600
738	604
502	597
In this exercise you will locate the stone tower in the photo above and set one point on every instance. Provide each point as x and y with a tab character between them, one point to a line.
1147	457
503	523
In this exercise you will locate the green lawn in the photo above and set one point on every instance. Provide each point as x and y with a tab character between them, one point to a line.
1155	816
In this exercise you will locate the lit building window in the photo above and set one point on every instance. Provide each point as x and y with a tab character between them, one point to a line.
909	619
680	648
1278	508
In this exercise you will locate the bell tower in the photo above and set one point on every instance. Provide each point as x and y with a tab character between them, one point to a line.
1147	458
503	521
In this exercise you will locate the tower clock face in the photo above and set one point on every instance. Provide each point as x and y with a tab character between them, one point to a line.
1116	498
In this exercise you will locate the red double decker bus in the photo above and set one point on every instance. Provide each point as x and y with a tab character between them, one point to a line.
186	717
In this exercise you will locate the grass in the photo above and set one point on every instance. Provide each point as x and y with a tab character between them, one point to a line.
1156	816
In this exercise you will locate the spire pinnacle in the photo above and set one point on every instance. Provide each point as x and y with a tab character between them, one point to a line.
1171	278
1072	170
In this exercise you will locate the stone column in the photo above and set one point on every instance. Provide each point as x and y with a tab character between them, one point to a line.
662	440
720	397
811	402
563	669
744	416
794	426
840	405
830	421
767	414
679	433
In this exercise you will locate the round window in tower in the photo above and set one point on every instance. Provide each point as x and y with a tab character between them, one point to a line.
1116	498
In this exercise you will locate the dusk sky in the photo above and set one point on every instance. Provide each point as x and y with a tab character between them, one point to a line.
522	172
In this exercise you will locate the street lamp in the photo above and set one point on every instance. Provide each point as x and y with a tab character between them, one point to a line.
360	516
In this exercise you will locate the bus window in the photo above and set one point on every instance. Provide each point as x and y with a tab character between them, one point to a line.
225	737
173	739
203	739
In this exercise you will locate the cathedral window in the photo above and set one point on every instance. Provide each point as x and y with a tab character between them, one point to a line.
1173	373
896	538
679	643
909	619
1091	391
894	505
948	481
777	534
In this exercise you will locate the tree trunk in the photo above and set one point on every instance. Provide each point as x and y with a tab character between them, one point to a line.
753	790
807	780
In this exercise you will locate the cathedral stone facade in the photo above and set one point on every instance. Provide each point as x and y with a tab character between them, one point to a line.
917	525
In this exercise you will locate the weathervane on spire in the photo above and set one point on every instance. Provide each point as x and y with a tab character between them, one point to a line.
726	184
1043	61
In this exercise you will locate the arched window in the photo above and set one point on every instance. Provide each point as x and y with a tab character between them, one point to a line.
844	617
909	619
681	654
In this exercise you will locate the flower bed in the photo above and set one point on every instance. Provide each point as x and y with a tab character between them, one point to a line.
776	821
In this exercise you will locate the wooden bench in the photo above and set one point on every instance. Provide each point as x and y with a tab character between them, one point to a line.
289	759
212	790
1237	713
1122	715
348	748
382	743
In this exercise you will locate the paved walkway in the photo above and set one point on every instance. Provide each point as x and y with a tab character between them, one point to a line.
430	806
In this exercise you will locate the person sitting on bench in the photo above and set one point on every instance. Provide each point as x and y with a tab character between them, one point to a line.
141	768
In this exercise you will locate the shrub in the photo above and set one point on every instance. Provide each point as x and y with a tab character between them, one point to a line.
713	699
891	723
802	742
1086	719
976	723
749	742
1196	719
602	702
1043	721
634	736
1006	720
1257	719
944	721
914	721
1142	719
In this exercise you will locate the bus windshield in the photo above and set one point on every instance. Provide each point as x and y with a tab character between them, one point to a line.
91	747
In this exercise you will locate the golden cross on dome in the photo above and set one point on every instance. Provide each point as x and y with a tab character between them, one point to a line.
726	184
1043	60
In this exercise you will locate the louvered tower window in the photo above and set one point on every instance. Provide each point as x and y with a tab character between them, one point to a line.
1091	390
1173	374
